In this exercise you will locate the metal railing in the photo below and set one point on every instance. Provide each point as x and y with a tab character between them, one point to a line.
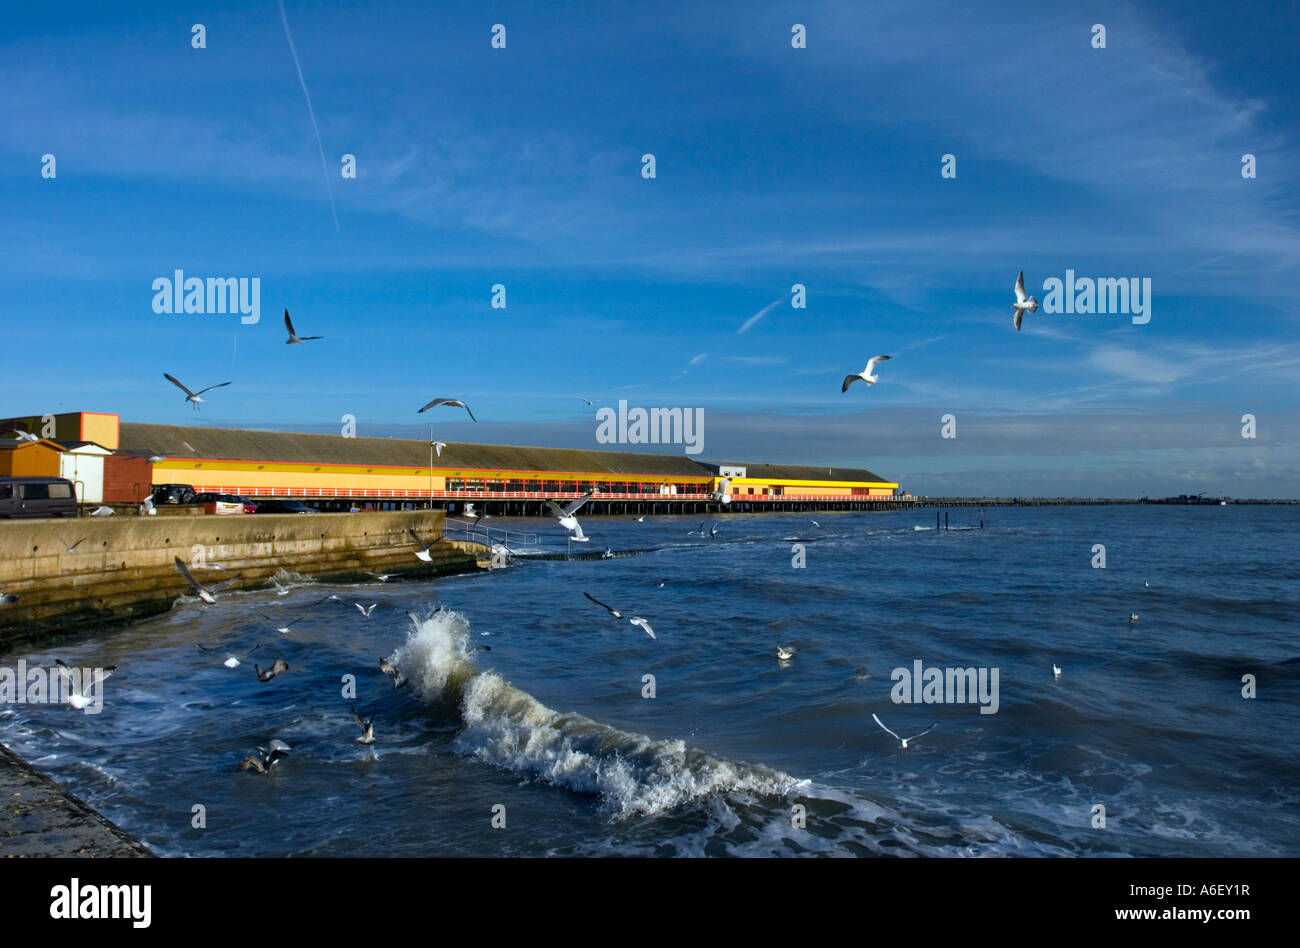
468	532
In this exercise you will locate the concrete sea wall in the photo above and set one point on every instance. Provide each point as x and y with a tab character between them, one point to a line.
121	568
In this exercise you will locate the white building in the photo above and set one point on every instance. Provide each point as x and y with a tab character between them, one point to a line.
82	462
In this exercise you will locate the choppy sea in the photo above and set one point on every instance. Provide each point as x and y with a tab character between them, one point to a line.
547	743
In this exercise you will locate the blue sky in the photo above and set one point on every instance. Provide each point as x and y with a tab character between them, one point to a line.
775	166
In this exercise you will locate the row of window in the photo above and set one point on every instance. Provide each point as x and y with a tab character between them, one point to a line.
570	487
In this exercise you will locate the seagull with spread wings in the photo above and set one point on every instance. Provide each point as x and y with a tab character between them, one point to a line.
1024	303
906	740
192	396
865	374
293	336
566	516
450	403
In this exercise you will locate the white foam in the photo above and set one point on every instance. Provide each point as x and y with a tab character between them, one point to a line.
632	774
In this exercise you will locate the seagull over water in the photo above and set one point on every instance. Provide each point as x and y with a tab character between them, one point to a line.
865	374
1024	303
423	552
566	516
906	740
1056	670
233	660
282	629
610	609
450	403
643	624
365	610
389	669
195	588
293	336
193	396
367	726
266	757
266	674
78	699
785	652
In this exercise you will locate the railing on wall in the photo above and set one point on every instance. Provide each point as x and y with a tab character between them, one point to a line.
467	531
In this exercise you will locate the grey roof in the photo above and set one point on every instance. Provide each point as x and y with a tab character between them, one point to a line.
289	447
799	472
286	447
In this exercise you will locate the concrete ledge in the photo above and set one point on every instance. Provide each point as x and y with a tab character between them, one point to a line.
122	569
40	818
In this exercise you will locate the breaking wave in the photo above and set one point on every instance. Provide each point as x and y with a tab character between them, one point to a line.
631	774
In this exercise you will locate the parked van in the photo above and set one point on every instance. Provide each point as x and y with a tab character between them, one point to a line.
37	497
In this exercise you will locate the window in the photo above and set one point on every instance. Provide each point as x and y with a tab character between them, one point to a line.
6	491
751	490
60	491
35	491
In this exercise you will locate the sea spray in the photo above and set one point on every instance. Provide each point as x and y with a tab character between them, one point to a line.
632	774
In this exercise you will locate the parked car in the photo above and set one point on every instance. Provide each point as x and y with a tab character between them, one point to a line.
284	506
174	494
222	504
37	497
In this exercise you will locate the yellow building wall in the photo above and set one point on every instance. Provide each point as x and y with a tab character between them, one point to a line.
100	428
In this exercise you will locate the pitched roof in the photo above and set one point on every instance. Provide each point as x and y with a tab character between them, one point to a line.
286	447
799	472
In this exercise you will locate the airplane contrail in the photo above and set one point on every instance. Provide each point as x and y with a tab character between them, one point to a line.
310	111
759	315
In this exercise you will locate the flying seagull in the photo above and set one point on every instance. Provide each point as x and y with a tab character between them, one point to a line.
266	757
367	726
7	598
24	435
147	507
193	396
1023	304
232	660
865	374
1056	670
195	588
642	623
266	674
75	545
610	609
293	336
785	652
77	698
451	403
566	516
1132	617
587	400
699	530
438	446
389	669
365	610
282	629
906	740
423	552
